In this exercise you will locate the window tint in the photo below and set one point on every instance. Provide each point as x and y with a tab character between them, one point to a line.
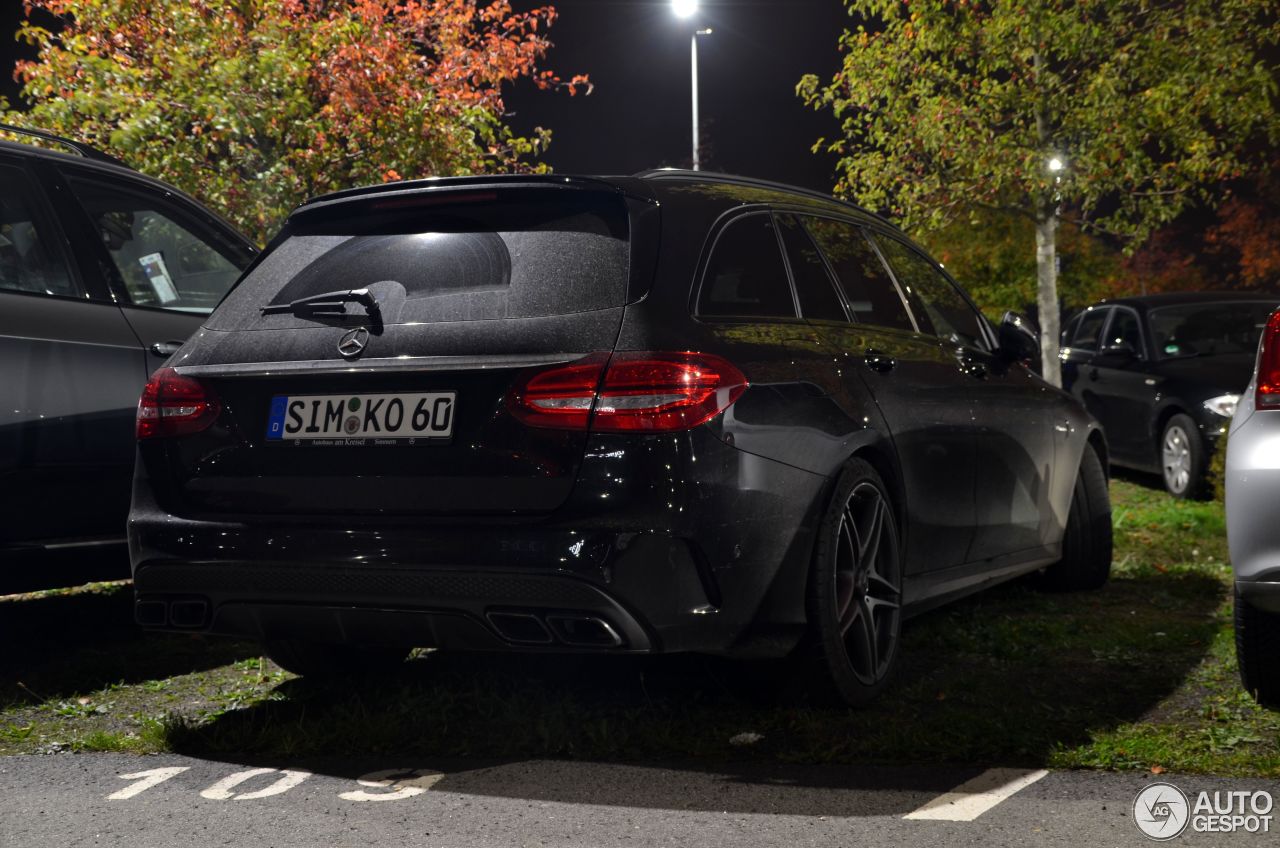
1206	329
1124	329
448	257
938	305
746	276
1069	330
165	259
814	287
869	290
1089	329
28	261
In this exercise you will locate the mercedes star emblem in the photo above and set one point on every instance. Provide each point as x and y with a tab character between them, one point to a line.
353	343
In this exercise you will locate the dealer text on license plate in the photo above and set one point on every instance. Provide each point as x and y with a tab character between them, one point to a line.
376	419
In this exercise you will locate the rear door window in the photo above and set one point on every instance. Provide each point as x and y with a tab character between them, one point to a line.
868	288
432	259
814	286
29	259
746	277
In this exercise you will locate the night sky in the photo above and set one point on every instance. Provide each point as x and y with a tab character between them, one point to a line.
637	54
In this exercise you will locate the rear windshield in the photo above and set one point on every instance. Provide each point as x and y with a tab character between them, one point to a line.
428	259
1208	329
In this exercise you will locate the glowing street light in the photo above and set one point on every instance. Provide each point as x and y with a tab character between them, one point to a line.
1056	164
684	8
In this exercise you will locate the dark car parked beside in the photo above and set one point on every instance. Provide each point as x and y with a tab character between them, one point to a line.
1162	374
104	273
671	412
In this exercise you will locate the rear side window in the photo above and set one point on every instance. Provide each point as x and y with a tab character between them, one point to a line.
746	277
814	287
444	258
868	288
938	304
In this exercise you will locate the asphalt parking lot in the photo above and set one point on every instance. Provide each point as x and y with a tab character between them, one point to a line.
109	799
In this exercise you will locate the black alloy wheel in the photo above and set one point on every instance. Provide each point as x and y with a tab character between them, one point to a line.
855	602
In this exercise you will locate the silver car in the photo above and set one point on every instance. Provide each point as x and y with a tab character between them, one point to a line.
1253	487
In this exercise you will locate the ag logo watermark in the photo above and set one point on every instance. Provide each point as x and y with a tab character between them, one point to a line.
1162	811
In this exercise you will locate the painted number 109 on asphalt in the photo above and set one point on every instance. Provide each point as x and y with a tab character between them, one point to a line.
355	420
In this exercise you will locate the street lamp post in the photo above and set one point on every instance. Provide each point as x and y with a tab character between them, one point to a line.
686	9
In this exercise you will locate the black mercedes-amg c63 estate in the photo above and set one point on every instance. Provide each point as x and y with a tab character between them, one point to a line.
670	412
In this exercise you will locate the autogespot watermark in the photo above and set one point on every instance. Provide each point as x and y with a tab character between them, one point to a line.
1162	811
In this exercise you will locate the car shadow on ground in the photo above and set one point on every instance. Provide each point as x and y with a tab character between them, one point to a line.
60	644
1006	678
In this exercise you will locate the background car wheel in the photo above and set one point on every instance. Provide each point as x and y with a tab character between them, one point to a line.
1182	457
321	660
855	591
1258	652
1086	542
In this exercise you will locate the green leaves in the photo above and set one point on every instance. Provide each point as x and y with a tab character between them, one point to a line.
947	104
254	106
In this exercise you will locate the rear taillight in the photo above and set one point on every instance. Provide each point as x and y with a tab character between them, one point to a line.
173	405
629	392
1268	395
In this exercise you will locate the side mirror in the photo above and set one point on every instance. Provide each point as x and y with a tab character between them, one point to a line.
1019	341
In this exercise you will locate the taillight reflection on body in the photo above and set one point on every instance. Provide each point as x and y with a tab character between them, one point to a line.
1268	394
629	392
173	405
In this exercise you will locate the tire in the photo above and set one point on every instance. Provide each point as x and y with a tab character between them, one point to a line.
854	597
1182	458
319	660
1258	652
1086	541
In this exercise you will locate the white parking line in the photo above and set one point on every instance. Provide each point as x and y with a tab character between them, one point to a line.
974	797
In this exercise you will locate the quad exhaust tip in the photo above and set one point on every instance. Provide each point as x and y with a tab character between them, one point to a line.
579	631
186	614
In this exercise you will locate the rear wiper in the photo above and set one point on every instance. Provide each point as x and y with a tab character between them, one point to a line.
328	303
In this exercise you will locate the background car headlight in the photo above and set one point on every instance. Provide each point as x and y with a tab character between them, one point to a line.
1224	405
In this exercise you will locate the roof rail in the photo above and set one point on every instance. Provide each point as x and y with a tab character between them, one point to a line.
752	182
78	147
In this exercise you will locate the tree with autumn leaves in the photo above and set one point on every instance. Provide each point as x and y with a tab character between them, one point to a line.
1117	113
254	105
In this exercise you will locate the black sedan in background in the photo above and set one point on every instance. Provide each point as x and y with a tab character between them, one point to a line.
104	273
671	412
1162	373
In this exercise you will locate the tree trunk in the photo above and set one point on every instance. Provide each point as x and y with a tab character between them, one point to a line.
1047	293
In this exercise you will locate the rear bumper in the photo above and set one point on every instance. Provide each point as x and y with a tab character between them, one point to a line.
462	610
1263	593
713	563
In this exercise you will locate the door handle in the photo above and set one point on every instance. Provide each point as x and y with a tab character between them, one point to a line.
878	361
165	349
1093	373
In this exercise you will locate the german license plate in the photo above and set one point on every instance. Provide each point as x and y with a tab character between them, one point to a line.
361	420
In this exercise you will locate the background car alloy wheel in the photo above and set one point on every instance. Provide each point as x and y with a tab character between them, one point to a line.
855	597
1181	457
1177	460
